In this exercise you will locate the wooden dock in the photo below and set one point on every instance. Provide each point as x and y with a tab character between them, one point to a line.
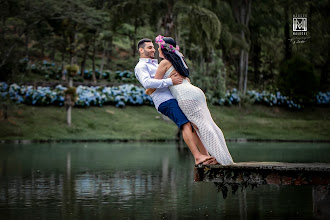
258	173
242	175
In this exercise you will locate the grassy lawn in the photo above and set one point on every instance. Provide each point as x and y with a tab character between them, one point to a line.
144	123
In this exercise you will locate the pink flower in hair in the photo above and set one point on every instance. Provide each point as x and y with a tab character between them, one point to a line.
177	47
159	39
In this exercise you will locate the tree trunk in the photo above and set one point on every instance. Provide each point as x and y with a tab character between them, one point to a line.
241	19
242	11
207	64
53	52
134	47
62	66
168	20
105	44
287	43
110	49
68	116
93	59
42	50
71	48
68	103
246	61
256	61
240	73
27	44
26	9
83	62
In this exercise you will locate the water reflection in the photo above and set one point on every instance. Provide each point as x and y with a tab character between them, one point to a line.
140	181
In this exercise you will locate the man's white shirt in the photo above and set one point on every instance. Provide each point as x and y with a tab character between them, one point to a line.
145	72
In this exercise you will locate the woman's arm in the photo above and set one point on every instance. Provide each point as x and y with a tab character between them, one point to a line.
161	70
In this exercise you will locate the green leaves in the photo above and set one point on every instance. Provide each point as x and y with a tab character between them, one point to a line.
205	27
297	79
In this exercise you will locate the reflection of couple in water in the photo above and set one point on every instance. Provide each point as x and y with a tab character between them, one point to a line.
185	104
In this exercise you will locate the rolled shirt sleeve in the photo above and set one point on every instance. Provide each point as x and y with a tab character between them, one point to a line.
142	74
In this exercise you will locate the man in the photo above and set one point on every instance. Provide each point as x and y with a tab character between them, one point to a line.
164	102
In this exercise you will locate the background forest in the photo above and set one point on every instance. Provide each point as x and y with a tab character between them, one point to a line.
241	44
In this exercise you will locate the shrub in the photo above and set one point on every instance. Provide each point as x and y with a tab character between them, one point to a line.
297	80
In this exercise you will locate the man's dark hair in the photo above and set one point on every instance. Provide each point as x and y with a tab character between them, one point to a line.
141	43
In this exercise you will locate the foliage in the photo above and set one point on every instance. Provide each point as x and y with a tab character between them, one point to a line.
102	35
297	79
208	25
128	94
214	84
323	98
86	96
47	69
72	91
72	69
266	98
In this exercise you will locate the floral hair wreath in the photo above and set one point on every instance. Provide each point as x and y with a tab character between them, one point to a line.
164	45
170	48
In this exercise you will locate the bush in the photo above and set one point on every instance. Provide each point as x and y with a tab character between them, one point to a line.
213	84
46	69
265	98
85	96
297	80
129	94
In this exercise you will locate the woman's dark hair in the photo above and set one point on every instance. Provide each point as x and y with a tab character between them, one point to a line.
175	59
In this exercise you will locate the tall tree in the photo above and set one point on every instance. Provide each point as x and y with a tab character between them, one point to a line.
242	12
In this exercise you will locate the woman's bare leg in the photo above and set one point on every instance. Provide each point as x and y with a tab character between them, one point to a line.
188	137
201	147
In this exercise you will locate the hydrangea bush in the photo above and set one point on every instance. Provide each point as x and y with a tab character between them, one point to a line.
119	96
271	99
129	94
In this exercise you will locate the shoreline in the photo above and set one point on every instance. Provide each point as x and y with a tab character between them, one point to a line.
237	140
26	124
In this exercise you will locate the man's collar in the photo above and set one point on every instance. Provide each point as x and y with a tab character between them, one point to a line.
149	60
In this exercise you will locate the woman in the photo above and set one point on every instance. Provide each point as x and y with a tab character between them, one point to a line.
191	100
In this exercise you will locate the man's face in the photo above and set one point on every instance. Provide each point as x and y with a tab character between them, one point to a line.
148	51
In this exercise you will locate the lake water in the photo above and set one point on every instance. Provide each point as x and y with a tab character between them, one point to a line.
142	181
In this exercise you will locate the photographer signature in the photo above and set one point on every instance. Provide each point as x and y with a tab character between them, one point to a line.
299	40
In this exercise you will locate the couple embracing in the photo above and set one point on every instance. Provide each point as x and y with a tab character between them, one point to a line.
185	104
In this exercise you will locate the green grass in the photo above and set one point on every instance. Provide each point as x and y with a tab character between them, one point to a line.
144	123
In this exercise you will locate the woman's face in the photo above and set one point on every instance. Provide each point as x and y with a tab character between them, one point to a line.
161	55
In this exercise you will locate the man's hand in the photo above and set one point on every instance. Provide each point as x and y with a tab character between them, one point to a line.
149	91
176	79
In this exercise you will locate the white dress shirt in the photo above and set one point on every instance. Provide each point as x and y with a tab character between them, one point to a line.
145	72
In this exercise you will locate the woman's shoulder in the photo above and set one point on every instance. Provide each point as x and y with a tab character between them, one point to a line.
165	62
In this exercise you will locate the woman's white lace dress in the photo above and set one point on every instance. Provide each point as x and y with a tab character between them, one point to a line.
192	102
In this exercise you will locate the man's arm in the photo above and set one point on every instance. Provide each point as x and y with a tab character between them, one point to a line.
142	74
162	68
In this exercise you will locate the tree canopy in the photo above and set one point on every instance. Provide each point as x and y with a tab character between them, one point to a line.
241	43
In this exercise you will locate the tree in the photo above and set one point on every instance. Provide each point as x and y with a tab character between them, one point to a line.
242	12
297	79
